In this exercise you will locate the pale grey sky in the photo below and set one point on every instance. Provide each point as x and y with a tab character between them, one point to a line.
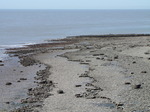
74	4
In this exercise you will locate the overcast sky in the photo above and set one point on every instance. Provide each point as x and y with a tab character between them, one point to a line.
74	4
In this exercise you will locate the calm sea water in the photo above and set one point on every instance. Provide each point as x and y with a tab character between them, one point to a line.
19	27
31	26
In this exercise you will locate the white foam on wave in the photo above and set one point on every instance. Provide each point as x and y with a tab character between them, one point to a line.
4	47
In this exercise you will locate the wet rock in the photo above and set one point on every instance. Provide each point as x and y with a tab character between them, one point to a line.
8	83
1	61
138	86
23	78
60	92
78	85
148	58
132	72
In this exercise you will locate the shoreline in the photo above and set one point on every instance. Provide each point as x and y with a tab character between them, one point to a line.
89	52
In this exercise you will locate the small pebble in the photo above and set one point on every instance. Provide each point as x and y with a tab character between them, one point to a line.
127	83
7	102
8	83
60	92
144	72
78	85
134	62
23	78
137	86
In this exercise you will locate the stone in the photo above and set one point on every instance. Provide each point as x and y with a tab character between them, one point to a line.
115	57
144	72
23	78
8	83
60	92
137	86
127	83
134	62
77	85
1	64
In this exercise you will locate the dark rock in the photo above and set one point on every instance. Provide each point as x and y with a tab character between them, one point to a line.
96	54
78	95
147	53
60	92
7	102
8	83
21	71
101	54
137	86
78	85
127	83
18	81
23	78
98	58
115	57
132	72
144	72
120	104
134	62
1	61
1	64
109	60
30	89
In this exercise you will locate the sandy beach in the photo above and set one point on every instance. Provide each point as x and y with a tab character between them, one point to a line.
107	73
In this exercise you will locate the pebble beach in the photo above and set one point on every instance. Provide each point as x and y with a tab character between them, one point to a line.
89	73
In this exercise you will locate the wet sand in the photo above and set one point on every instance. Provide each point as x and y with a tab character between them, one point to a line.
91	74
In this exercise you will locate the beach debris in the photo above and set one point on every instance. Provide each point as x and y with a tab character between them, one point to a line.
8	83
143	71
138	86
23	78
78	85
60	92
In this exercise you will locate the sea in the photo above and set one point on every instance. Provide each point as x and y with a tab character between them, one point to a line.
20	27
